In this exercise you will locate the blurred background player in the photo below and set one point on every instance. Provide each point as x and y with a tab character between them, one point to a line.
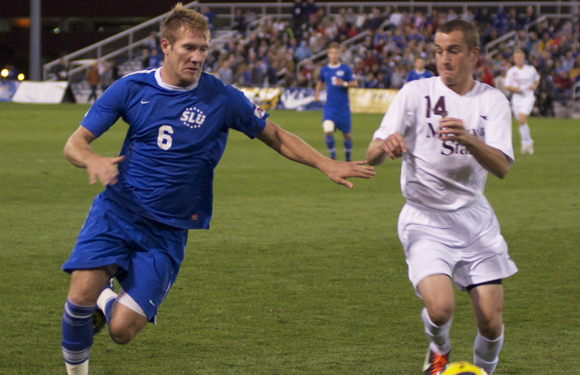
337	77
521	80
419	72
451	131
160	185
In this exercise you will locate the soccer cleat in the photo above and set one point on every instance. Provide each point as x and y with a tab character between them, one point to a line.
99	319
435	363
531	148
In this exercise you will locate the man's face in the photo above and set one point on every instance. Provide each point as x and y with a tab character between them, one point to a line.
334	56
453	58
184	59
519	59
419	64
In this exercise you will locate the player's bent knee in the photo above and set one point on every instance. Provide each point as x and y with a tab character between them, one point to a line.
328	126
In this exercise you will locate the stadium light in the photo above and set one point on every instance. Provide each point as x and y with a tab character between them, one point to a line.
4	73
21	77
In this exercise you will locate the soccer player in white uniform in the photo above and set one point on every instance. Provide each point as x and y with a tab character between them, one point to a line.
160	185
521	80
451	131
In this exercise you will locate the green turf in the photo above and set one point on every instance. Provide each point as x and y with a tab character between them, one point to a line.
296	275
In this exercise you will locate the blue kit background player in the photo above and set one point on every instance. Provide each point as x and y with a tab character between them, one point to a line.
160	186
337	77
419	72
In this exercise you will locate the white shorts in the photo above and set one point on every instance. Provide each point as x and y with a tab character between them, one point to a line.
465	245
522	104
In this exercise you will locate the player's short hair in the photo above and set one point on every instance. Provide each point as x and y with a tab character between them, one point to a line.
184	18
520	51
470	34
334	45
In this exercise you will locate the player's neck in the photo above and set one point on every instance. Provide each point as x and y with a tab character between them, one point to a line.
334	65
520	67
462	88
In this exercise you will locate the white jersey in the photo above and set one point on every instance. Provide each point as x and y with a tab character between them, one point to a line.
523	79
444	175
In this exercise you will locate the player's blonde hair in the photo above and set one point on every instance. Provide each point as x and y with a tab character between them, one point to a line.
184	18
470	34
334	45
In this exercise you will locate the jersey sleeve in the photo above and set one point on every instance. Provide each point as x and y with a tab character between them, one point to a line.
106	110
245	116
509	78
498	132
397	117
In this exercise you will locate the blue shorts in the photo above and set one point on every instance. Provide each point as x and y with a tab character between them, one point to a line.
341	118
148	253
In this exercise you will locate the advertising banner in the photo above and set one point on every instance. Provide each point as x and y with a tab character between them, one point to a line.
266	98
371	100
301	99
40	92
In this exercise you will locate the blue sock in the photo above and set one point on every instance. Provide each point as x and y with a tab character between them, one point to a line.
330	145
77	332
347	148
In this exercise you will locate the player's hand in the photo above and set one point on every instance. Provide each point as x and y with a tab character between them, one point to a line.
452	129
103	169
338	81
339	171
394	146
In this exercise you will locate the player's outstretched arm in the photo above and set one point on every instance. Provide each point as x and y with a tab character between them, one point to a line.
393	147
78	152
294	148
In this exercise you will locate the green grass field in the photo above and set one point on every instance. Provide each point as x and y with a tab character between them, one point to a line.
296	275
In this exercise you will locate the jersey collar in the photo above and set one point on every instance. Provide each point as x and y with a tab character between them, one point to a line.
171	87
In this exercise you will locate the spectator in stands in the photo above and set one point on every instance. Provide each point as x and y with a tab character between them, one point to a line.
208	15
499	81
370	81
144	58
419	72
240	23
257	74
105	75
152	42
154	59
303	52
93	79
562	87
60	70
396	19
568	61
225	73
546	93
310	8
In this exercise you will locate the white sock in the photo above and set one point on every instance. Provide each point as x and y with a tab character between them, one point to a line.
104	297
80	369
438	335
525	134
486	352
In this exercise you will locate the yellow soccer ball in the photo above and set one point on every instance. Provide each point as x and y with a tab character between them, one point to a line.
463	368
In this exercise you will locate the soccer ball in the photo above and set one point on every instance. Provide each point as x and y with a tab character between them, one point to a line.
463	368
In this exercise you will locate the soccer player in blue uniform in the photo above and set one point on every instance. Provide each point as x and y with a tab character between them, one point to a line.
160	185
419	72
337	77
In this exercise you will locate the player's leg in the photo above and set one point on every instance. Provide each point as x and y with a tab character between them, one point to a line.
126	322
77	319
328	127
347	145
487	301
437	316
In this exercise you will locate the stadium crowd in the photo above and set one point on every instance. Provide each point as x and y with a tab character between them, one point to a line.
276	53
271	54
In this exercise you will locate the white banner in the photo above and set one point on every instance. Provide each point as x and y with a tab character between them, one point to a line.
40	92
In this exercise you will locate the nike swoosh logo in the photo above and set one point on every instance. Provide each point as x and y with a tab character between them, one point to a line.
150	301
144	102
483	117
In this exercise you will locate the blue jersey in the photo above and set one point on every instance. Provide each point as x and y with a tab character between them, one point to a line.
336	96
413	75
175	139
